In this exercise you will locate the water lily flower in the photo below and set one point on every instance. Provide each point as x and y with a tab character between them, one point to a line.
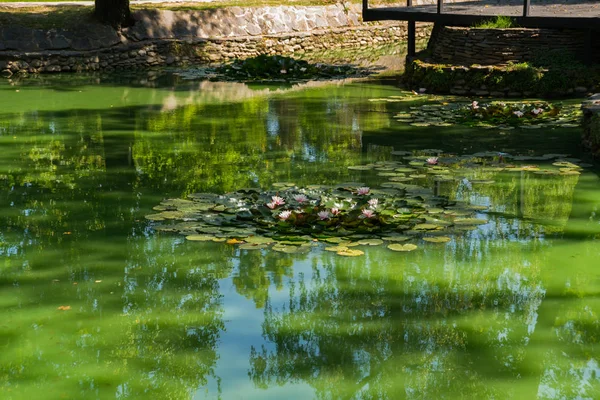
519	114
323	215
284	215
422	90
335	211
278	201
271	205
373	203
368	214
283	71
432	160
299	211
361	191
474	105
537	111
300	198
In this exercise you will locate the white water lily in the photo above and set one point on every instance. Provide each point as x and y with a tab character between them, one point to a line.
278	201
361	191
300	198
323	215
284	215
519	114
537	111
368	214
373	203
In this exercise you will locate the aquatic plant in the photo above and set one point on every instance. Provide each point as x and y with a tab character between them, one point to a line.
406	206
500	114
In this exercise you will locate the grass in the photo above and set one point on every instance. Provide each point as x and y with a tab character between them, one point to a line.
500	22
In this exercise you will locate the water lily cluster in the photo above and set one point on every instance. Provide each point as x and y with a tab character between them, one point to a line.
502	111
499	114
281	68
317	211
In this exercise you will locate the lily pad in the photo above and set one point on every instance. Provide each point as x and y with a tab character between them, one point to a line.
470	221
437	239
350	253
402	247
200	238
370	242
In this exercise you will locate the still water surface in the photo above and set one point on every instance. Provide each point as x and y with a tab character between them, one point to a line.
96	304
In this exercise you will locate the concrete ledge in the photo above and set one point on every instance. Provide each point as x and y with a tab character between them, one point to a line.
591	125
194	37
497	81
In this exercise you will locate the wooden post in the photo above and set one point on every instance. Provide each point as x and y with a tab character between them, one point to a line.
412	39
412	35
440	6
587	47
365	5
526	6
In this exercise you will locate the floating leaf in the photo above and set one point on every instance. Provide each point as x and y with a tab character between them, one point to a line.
370	242
437	239
402	247
470	221
258	240
200	238
350	253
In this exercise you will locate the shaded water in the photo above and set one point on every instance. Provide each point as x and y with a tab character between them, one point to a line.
96	304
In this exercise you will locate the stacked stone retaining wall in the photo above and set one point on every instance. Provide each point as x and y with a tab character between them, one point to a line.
467	46
162	37
591	125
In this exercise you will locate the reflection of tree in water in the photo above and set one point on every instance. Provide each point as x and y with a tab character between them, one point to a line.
375	329
491	316
137	312
257	271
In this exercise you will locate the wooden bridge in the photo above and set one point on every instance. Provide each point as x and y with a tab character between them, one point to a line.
565	14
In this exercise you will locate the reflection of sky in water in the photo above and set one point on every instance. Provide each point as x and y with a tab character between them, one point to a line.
444	320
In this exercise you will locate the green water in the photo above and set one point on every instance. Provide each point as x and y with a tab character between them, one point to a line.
96	304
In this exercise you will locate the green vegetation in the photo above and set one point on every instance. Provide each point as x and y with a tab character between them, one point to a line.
97	304
552	78
281	68
500	22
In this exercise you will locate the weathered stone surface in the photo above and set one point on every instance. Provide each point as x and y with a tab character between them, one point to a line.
168	37
467	46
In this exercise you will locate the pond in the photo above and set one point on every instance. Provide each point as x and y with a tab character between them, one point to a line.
97	302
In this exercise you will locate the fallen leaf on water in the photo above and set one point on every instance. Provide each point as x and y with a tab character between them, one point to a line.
234	241
64	308
98	281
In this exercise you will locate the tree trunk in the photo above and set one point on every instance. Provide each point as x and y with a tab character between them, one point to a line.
113	12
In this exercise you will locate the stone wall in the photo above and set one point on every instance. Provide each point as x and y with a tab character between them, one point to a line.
162	37
499	81
591	125
467	46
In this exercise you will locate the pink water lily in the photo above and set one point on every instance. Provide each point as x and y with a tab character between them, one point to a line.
335	211
323	215
368	213
373	203
537	111
300	198
271	205
278	201
361	191
519	114
284	215
432	160
475	105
